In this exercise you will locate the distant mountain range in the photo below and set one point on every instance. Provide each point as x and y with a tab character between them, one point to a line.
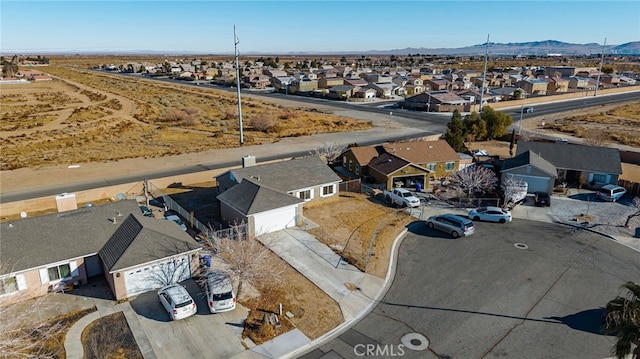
524	48
513	48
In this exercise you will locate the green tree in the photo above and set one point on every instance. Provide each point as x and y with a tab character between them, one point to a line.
607	69
455	132
497	122
623	320
475	128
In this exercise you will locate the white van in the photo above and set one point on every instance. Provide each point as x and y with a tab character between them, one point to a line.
219	291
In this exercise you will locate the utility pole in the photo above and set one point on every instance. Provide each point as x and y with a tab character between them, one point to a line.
484	73
520	122
595	93
235	46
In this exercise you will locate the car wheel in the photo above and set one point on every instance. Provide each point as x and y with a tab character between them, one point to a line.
455	234
388	199
502	220
476	218
430	225
404	205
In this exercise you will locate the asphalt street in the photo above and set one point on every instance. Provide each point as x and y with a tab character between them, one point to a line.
520	290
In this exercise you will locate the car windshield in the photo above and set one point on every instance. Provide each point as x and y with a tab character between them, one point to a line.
222	296
184	304
407	194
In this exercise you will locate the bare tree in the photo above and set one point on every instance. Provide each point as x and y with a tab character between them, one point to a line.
329	151
636	204
22	338
474	179
249	261
262	121
512	188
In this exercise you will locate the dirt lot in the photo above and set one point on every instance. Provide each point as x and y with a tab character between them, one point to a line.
86	116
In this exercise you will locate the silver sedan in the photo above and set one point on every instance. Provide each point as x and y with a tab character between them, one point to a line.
491	214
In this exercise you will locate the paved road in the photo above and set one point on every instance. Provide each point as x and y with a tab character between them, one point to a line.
484	298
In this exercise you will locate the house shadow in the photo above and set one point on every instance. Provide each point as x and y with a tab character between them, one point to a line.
586	197
590	320
95	287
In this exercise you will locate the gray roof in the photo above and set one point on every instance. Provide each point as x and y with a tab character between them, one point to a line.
288	176
37	241
530	158
576	157
251	196
141	240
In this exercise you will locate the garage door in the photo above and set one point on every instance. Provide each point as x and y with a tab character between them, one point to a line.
144	279
536	184
275	220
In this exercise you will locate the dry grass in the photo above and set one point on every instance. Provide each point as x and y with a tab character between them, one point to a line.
93	116
354	220
315	312
110	337
617	124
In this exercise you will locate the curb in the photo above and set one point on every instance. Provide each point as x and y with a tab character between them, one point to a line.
346	325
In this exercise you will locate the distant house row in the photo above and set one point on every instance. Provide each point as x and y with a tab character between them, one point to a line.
444	89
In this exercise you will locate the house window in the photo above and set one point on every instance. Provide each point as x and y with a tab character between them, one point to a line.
59	272
600	177
350	164
305	195
449	166
8	285
431	167
328	190
357	169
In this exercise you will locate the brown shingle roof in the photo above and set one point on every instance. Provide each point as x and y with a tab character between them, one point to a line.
364	154
387	163
423	151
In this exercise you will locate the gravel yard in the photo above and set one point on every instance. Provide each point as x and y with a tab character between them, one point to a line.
604	217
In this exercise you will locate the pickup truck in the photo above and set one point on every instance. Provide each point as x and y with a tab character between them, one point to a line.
401	197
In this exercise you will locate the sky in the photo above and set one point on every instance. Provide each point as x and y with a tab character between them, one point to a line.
281	27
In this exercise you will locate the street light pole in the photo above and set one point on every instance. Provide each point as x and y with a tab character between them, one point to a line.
520	122
236	42
595	93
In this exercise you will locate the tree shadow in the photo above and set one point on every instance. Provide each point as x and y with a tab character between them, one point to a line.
590	320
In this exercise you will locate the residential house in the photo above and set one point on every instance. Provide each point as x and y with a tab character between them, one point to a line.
134	253
342	92
577	82
357	82
329	82
414	86
401	163
578	165
367	92
532	168
269	197
508	93
557	85
610	79
437	84
437	101
533	86
304	85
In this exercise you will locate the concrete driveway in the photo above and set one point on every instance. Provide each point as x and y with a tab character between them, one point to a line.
203	335
485	297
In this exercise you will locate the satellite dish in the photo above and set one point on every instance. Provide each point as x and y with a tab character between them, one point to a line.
121	196
23	214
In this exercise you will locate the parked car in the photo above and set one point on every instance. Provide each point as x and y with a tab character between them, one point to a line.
177	301
219	292
176	219
146	211
401	197
542	199
610	192
491	214
457	226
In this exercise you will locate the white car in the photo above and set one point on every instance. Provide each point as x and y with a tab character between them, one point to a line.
177	301
219	292
491	214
